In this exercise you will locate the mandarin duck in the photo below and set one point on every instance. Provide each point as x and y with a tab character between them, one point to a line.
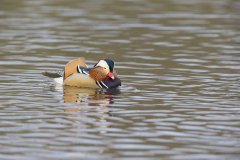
76	73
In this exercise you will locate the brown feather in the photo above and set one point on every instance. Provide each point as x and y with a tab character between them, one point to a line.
80	80
71	67
98	74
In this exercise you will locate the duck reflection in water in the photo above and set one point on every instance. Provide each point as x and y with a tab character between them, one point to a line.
89	97
87	107
92	107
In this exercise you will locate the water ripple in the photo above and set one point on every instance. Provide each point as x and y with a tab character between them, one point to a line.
178	62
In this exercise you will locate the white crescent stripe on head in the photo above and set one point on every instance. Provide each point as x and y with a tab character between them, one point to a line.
103	63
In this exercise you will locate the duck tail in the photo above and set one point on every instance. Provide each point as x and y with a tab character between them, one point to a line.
53	74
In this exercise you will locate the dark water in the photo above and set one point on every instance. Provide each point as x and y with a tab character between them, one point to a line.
179	61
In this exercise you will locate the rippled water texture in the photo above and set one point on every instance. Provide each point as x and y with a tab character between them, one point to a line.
179	61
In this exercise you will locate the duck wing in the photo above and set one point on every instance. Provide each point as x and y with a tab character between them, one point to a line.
71	67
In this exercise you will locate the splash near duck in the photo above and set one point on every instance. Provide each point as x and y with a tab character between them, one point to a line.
77	73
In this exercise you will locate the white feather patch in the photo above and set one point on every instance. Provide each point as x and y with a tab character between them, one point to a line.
59	80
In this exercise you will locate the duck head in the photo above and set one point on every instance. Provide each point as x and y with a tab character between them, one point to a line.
107	66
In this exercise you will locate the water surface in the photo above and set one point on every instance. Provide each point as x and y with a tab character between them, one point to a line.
179	63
